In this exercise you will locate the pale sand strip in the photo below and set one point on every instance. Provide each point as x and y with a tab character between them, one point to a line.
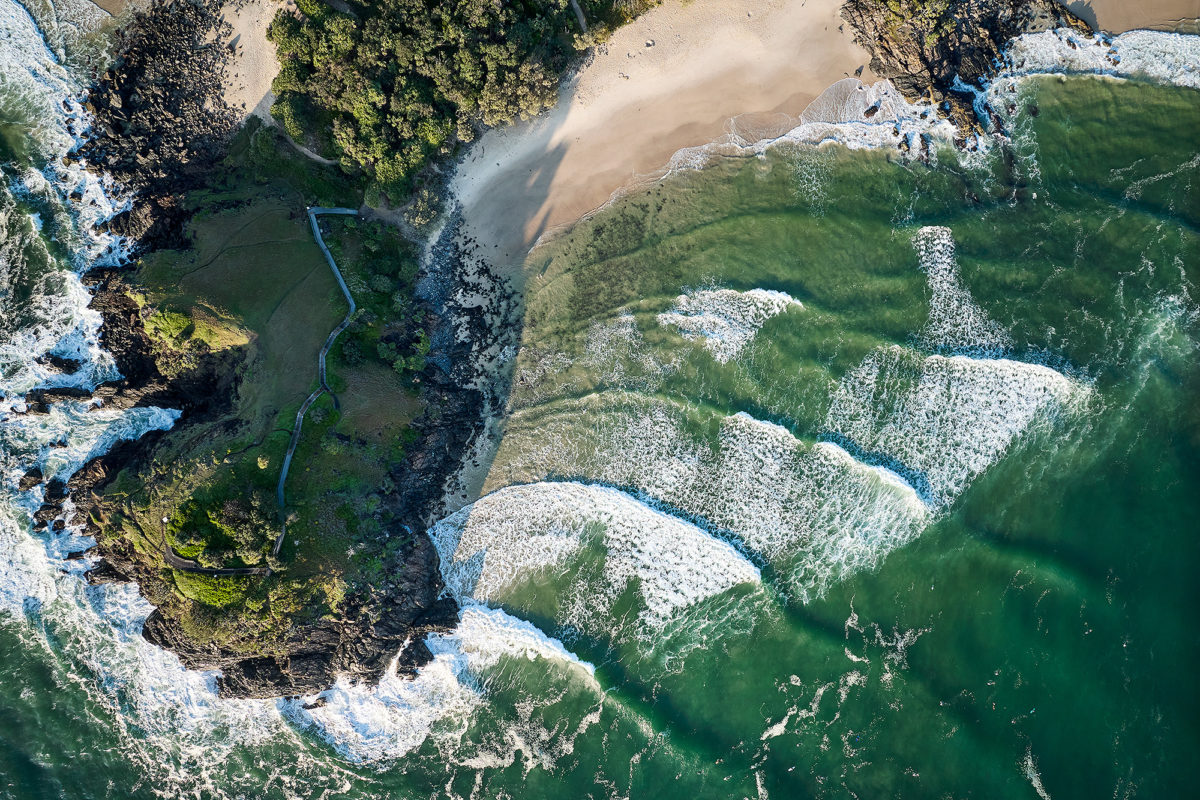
113	7
253	63
1118	16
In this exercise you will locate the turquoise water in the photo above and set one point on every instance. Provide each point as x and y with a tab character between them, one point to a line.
826	473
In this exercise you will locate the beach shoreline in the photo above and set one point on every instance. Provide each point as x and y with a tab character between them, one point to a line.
673	78
683	75
1119	16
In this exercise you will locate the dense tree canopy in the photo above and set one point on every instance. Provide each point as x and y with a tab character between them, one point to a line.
388	84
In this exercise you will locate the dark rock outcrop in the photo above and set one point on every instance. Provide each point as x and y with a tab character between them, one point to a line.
32	477
161	122
67	366
922	46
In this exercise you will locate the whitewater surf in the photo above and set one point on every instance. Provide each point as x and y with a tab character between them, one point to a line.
825	469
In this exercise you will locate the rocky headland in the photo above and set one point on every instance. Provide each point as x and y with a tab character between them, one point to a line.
161	128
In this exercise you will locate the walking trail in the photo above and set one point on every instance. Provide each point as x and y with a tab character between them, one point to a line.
313	213
176	561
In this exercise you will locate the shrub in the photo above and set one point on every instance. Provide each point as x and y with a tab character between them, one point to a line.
217	591
351	352
381	283
423	209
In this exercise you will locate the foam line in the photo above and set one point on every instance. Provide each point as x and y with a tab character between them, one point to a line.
956	322
947	418
395	717
69	435
724	320
519	531
814	512
1170	58
616	352
849	113
858	116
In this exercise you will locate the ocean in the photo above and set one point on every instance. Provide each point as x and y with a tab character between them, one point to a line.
831	468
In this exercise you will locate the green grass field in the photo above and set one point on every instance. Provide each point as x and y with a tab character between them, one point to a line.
254	288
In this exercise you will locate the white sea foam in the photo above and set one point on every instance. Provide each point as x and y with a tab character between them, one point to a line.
166	715
860	116
393	718
31	78
69	435
849	113
1154	55
616	353
816	513
65	22
37	88
157	705
956	322
56	321
947	419
1029	768
519	531
725	320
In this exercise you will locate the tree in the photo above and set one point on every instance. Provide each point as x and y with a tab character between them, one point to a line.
396	83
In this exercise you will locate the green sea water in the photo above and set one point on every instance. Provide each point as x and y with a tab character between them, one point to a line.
826	473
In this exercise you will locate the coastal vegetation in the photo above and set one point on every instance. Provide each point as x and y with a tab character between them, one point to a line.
251	297
389	86
232	300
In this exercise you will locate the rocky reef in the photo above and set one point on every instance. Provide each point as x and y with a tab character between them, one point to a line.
161	122
939	50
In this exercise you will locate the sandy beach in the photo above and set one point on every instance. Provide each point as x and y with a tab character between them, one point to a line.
1118	16
675	78
253	64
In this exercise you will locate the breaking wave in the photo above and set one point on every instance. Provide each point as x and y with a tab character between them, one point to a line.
813	512
398	715
1169	58
850	113
724	320
946	419
956	322
521	532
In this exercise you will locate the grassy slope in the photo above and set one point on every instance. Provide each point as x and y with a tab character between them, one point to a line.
255	286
